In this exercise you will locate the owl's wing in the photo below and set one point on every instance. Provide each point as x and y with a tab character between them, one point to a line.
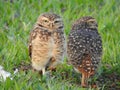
58	52
30	45
76	47
30	49
42	34
32	35
96	50
93	45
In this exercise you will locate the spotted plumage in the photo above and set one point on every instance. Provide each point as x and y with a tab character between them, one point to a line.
47	42
84	47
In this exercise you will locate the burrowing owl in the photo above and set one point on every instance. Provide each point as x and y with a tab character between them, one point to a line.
84	47
47	42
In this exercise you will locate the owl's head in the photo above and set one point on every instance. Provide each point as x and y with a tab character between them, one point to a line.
50	21
84	23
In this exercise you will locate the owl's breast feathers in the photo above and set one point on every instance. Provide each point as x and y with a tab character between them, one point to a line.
57	37
38	36
46	47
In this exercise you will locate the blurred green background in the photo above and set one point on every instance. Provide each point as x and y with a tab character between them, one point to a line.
17	18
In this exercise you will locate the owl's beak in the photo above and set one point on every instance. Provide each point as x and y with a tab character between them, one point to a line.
51	25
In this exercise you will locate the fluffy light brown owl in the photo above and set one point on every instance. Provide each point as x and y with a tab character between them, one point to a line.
47	42
84	47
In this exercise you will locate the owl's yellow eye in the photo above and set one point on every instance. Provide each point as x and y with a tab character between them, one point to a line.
56	21
46	21
92	21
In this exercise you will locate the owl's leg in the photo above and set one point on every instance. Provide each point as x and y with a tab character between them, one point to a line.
93	85
43	71
84	82
85	77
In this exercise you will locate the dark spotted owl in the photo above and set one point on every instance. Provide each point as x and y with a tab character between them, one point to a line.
84	47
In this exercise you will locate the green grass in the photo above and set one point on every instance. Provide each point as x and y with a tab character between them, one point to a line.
17	19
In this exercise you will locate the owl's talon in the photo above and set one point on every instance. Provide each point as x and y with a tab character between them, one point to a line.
84	85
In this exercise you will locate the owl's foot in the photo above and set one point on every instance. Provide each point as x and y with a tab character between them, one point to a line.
33	70
84	85
52	69
93	86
